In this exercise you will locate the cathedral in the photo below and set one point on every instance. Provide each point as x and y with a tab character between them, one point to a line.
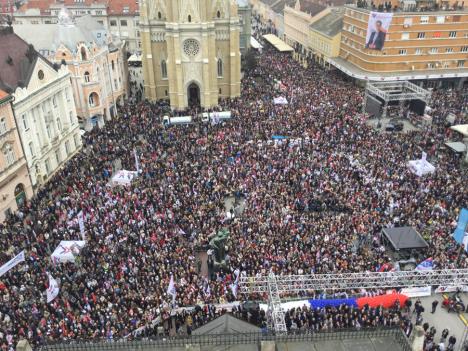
191	52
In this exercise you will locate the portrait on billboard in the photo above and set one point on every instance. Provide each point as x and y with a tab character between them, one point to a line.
377	29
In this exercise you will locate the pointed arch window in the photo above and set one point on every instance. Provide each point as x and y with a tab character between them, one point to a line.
218	14
220	68
159	15
163	69
189	18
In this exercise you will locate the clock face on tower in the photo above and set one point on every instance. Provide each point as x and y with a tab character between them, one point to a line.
191	47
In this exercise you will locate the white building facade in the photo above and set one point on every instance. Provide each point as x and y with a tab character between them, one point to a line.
46	118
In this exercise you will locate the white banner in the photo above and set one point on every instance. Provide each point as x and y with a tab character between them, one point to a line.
66	251
12	263
124	177
53	289
171	290
417	292
81	224
280	100
137	162
443	289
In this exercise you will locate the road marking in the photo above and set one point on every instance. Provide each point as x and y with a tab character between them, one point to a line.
462	317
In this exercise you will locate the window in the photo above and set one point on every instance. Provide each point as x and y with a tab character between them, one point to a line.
113	65
113	23
126	9
461	63
47	166
77	141
98	12
453	34
67	95
83	54
67	147
440	19
418	51
86	77
54	101
449	50
31	148
101	23
437	34
446	64
25	122
189	18
49	132
93	100
434	50
404	36
70	116
3	126
9	155
431	65
40	74
123	23
403	52
464	49
408	21
59	125
424	19
421	35
220	68
159	15
218	14
58	158
163	69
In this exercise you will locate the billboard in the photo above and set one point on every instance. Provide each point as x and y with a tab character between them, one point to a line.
377	29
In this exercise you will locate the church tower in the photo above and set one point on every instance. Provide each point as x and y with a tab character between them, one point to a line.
191	51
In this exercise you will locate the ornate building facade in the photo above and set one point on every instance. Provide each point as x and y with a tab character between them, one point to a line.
191	52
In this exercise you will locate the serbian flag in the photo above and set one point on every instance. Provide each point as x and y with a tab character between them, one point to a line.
426	265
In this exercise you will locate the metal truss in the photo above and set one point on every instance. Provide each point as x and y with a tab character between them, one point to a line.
398	91
273	287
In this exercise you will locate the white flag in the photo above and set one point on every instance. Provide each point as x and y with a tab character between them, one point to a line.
53	289
12	263
171	290
235	285
81	224
137	163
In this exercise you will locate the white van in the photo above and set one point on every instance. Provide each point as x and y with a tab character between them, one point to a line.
167	121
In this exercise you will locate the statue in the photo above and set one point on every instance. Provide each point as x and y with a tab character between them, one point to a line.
218	245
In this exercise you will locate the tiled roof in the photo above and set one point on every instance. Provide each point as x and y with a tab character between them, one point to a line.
123	7
3	95
114	7
329	25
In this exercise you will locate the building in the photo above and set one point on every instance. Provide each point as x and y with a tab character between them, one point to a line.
15	185
118	16
97	63
422	46
299	17
271	12
245	19
191	51
325	36
43	105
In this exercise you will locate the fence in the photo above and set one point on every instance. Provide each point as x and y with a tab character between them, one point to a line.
232	339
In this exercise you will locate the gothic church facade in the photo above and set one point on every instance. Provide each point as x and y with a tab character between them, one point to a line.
191	52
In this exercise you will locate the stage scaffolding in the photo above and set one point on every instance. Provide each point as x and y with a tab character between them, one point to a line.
395	91
273	286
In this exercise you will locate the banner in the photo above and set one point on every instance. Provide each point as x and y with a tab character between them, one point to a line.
377	29
417	292
280	101
137	162
81	224
124	177
461	232
426	265
53	289
12	263
445	289
66	251
171	290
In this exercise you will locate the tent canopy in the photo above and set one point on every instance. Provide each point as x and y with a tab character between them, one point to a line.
255	44
404	238
456	146
461	128
280	45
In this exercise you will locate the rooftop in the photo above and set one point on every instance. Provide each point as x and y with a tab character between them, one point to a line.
114	7
17	60
329	25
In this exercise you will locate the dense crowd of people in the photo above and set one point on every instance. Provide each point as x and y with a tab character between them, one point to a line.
313	201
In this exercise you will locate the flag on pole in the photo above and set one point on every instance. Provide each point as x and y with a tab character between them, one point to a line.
81	224
426	265
171	290
137	162
53	289
235	285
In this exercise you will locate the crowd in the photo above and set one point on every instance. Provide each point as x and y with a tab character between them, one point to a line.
311	204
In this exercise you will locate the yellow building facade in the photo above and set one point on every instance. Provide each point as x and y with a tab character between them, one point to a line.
191	53
325	36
